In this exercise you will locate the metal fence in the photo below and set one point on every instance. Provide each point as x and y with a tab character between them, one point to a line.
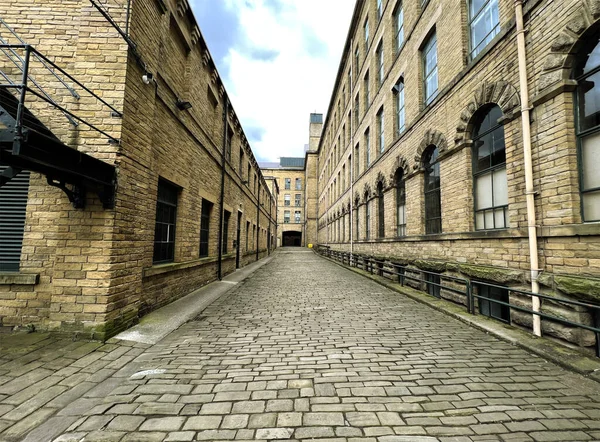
435	282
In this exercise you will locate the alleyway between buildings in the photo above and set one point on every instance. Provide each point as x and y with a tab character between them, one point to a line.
301	350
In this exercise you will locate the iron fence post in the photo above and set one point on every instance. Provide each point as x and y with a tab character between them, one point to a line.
470	305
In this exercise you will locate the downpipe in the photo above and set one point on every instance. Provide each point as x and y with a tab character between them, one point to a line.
222	196
529	189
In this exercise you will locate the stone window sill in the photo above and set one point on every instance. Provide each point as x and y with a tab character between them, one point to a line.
10	278
161	269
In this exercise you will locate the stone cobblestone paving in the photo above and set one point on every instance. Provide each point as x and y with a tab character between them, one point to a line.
306	350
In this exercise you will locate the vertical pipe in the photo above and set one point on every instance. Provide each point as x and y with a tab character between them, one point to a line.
222	196
127	15
258	223
352	153
529	192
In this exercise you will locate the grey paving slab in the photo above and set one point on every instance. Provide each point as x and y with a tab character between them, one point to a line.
306	350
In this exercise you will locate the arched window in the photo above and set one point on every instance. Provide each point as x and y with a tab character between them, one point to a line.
489	170
433	204
380	211
587	74
400	203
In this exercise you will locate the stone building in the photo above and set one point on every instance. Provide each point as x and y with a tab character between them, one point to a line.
289	176
424	154
129	182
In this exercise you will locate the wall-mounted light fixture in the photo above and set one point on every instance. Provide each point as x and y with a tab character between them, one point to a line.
183	105
147	78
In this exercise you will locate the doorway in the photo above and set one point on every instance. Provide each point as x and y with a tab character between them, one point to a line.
292	239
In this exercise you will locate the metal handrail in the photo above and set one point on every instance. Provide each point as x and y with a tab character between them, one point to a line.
23	87
367	263
14	33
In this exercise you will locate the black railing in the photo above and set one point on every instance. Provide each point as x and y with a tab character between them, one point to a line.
399	272
30	54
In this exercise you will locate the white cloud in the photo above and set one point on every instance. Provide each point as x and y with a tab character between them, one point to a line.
277	93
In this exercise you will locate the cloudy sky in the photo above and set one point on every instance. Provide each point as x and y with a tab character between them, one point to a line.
278	60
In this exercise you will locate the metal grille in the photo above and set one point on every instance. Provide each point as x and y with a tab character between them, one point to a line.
13	203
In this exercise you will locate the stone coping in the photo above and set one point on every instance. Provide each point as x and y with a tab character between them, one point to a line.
9	278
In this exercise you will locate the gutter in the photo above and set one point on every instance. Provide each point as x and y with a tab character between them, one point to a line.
222	196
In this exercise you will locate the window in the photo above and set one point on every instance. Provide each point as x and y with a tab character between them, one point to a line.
489	171
356	110
286	217
367	148
399	102
366	29
400	203
286	199
248	174
490	308
433	206
379	9
226	217
288	183
298	199
204	227
247	233
399	26
166	215
587	74
240	170
356	221
298	183
254	183
430	69
380	73
367	92
433	284
356	161
297	217
229	142
380	211
484	23
367	220
357	60
13	205
380	131
344	227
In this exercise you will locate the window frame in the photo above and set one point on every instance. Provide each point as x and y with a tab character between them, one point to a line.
398	27
474	51
400	186
430	44
400	105
380	63
171	226
580	133
488	171
205	214
433	224
380	118
380	211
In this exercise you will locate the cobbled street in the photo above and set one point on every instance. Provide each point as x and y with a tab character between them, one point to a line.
307	350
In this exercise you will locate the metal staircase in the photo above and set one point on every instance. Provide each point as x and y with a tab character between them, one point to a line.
26	143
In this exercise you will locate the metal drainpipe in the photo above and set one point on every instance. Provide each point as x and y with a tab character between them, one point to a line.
529	192
352	74
222	197
258	223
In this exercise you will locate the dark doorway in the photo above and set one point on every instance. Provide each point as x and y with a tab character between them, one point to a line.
292	239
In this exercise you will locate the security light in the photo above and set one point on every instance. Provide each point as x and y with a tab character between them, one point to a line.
183	105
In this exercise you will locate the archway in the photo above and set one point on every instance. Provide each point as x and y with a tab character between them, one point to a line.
292	239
